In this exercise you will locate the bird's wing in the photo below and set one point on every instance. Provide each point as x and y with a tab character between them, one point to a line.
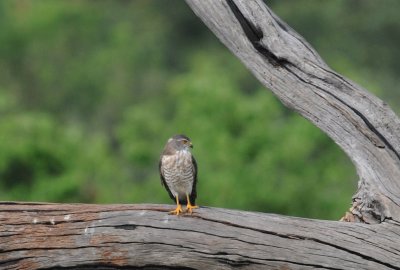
163	182
193	195
161	173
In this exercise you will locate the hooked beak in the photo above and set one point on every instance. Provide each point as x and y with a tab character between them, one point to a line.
190	145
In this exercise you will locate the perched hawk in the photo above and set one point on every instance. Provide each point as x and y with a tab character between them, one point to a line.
178	172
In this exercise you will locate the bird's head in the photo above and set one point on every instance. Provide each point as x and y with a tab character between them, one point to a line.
180	142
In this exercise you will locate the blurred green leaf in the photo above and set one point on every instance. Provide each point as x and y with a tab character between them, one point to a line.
90	92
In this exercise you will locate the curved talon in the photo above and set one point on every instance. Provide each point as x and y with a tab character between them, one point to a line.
178	210
189	208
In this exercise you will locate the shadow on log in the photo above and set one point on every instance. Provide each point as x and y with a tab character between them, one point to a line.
82	236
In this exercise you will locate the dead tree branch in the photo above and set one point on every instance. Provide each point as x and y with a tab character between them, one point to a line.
80	236
360	123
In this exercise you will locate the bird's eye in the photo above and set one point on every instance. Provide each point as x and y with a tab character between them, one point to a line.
185	141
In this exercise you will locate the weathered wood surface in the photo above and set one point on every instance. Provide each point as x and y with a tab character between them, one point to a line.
361	124
81	236
78	236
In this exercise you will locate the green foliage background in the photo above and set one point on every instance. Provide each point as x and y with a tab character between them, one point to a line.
91	90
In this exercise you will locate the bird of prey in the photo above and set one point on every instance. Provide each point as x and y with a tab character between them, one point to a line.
178	172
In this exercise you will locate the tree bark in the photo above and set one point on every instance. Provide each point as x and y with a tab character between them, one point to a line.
360	123
78	236
81	236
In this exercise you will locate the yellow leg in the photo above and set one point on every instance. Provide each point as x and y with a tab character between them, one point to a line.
178	208
189	206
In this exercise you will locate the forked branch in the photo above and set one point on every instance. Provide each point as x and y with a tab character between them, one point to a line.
360	123
65	236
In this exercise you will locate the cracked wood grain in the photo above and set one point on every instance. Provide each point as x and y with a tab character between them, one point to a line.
80	236
365	128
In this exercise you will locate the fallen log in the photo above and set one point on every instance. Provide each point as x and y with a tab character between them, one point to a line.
81	236
87	236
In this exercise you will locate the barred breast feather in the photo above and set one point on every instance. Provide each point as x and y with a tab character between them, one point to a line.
179	172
